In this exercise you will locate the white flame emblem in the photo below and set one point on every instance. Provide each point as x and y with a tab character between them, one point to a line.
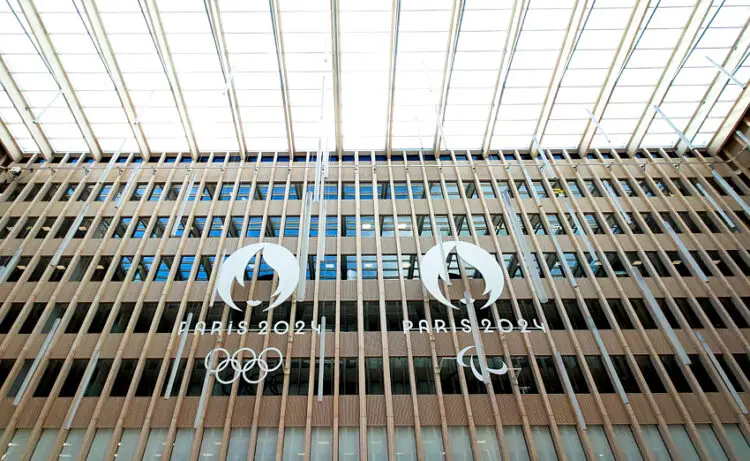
279	258
470	254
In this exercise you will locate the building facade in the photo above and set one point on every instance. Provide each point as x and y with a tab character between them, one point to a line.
620	331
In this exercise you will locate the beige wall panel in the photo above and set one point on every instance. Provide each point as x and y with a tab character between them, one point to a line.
413	290
370	292
375	410
669	410
455	410
396	344
322	412
30	417
188	411
216	411
444	345
722	406
136	414
56	416
349	409
403	411
135	345
348	344
429	411
420	344
296	410
373	344
243	411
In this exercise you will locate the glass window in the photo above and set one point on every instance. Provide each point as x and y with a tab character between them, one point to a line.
226	192
331	226
253	226
243	191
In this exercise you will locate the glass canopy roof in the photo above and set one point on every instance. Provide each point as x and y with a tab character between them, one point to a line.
275	75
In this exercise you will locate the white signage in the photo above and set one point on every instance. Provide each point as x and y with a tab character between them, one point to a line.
470	254
477	374
241	368
279	258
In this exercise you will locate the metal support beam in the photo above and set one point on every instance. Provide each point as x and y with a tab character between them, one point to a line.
515	24
58	72
395	21
217	30
153	21
336	70
685	44
278	40
718	84
450	58
576	23
19	102
626	45
674	127
99	35
9	143
730	123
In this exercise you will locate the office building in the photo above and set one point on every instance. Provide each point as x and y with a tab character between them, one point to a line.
407	230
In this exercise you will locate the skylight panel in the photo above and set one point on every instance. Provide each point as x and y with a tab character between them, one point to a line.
46	105
199	73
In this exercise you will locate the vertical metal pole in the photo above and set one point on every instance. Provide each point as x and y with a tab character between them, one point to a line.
726	73
721	372
185	198
128	186
685	253
569	390
322	355
84	384
7	269
35	363
715	206
598	127
684	139
531	261
731	192
660	318
305	249
178	357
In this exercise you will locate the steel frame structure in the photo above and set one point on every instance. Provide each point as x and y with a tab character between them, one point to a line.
690	36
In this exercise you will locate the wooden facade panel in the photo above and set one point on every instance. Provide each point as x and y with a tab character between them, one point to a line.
403	411
349	411
455	410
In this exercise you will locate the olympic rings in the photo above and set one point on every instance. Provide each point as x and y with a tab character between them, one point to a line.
241	368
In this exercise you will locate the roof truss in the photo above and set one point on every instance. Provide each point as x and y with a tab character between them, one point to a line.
153	20
336	61
730	123
22	106
278	39
217	30
511	40
739	50
395	20
113	69
575	24
679	54
6	138
450	58
627	43
58	72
